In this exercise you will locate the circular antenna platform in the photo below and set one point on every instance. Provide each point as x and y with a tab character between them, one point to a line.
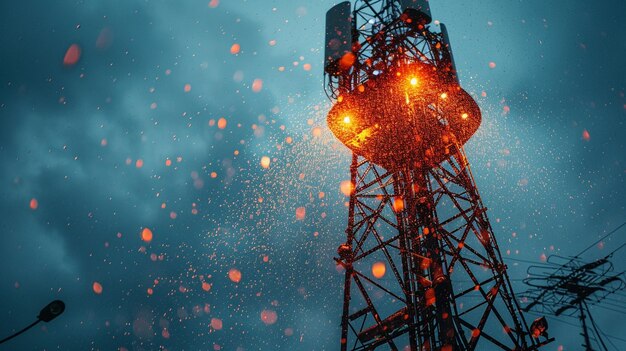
408	116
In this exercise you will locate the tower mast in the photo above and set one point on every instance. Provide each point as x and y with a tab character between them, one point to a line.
423	270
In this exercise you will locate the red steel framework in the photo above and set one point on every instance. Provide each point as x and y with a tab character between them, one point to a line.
422	224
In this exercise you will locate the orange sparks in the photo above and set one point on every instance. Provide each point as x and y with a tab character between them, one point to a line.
139	163
398	204
475	333
347	61
586	135
216	323
187	88
269	317
206	286
234	275
317	131
492	65
146	235
300	213
213	175
168	162
346	187
430	297
257	85
213	3
379	269
97	288
72	55
221	123
265	162
307	66
235	49
33	204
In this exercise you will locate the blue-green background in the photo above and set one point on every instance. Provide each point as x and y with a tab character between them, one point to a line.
560	71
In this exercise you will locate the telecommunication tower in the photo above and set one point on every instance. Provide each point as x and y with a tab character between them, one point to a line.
568	286
423	270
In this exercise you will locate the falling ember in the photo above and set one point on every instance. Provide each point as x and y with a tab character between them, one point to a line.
187	88
300	213
586	135
97	288
234	275
379	269
265	162
146	235
257	85
72	55
216	323
168	162
206	286
269	317
430	297
221	123
347	187
33	204
492	64
235	49
317	132
214	3
398	204
139	163
306	66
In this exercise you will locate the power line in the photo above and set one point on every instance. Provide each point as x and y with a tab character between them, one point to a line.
602	238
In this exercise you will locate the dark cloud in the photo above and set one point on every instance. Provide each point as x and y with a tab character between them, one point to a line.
558	71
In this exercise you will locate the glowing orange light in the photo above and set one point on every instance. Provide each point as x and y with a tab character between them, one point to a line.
586	135
206	286
234	275
221	123
346	187
300	213
72	55
257	85
379	269
146	235
346	119
443	95
413	81
97	288
269	317
464	116
235	49
475	333
265	162
398	204
216	323
34	204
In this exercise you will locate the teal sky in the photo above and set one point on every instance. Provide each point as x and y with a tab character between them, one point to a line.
90	142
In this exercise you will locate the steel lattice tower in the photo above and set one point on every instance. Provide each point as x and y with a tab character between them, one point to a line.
423	270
